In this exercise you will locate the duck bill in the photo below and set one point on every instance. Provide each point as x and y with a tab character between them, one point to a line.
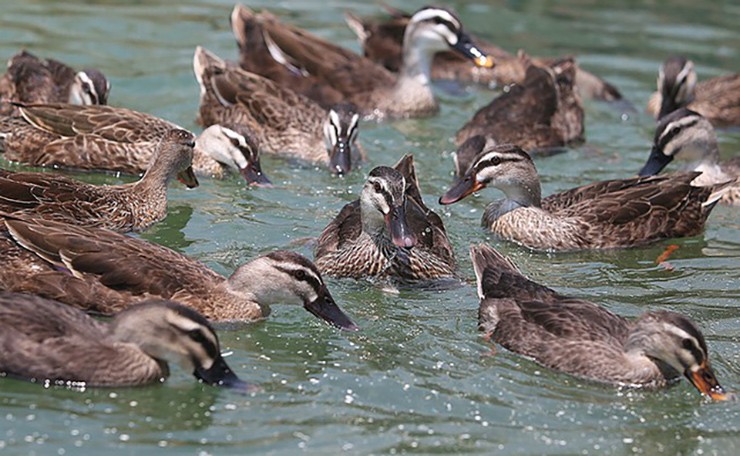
466	47
252	173
220	374
655	162
187	177
704	380
340	160
401	234
325	308
461	189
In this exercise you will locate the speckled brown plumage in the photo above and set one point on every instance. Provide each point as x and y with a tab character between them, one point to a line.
381	43
717	99
128	207
285	122
346	249
583	339
104	272
43	340
541	114
609	214
107	138
30	79
332	74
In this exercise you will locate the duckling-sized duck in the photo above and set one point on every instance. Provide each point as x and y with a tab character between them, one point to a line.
717	99
543	114
47	341
103	271
583	339
128	207
120	140
285	122
378	93
689	137
603	215
387	233
381	42
33	80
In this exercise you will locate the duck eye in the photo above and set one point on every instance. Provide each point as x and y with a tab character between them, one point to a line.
197	335
300	275
496	161
687	344
376	186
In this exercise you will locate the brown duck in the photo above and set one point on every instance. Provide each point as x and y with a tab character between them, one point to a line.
387	233
102	271
377	92
583	339
30	79
603	215
717	99
128	207
48	342
120	140
689	137
284	122
543	114
381	42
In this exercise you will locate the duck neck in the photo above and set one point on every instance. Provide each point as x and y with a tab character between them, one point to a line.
155	178
416	65
418	54
204	164
522	194
373	223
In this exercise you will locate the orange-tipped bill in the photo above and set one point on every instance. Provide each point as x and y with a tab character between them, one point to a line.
704	380
461	189
187	177
466	47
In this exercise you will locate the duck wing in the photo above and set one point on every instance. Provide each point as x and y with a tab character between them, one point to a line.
424	223
130	266
345	228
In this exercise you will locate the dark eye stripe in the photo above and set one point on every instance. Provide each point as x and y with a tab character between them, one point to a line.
445	22
201	338
673	132
497	160
308	278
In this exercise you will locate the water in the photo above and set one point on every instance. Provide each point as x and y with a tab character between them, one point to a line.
417	378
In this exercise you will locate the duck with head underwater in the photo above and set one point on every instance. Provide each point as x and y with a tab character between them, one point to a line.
580	338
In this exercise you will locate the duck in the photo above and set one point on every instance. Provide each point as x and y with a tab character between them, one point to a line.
717	99
104	272
689	137
120	140
45	341
30	79
378	93
388	233
608	214
583	339
542	115
381	42
128	207
284	122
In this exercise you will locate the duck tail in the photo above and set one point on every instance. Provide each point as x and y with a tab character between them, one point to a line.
489	265
357	26
718	191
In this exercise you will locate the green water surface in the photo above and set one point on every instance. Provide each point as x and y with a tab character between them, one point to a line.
417	378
